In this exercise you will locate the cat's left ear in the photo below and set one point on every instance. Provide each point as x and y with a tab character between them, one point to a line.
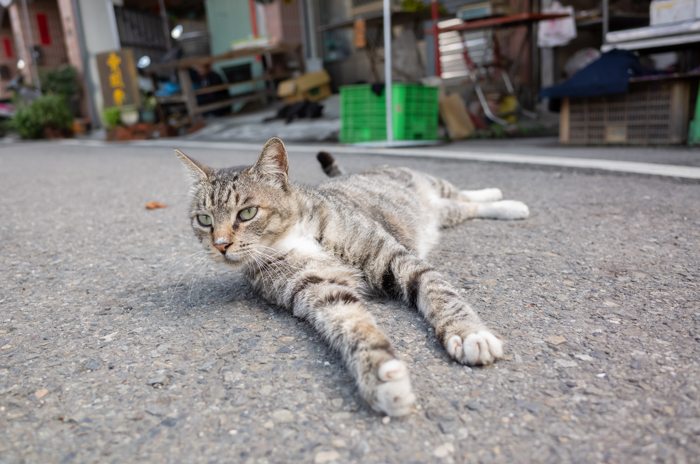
197	170
273	161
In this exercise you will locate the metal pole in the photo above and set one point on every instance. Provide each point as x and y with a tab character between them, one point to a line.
30	46
89	89
311	12
253	18
166	26
387	71
606	19
436	40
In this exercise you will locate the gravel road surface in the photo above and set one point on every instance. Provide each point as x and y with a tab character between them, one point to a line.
118	344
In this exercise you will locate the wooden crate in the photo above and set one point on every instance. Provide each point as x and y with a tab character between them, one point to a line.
650	113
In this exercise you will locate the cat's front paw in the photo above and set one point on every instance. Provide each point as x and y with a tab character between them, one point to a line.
394	395
479	348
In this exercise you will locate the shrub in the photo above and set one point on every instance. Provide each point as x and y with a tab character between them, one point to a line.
61	81
113	117
50	111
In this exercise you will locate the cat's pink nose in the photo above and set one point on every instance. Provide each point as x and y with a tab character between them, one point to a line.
221	246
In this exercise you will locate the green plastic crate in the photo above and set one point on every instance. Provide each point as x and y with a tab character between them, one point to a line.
363	113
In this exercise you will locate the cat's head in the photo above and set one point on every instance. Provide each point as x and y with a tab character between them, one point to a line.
237	212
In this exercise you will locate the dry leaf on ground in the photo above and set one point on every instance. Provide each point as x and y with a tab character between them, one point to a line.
155	205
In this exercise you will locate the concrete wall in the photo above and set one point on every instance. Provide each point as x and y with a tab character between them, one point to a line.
100	36
228	21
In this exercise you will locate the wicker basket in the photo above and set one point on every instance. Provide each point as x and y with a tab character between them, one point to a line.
650	113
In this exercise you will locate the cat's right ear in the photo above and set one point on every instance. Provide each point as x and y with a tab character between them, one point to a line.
197	170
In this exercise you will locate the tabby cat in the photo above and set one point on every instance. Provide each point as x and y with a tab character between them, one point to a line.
319	252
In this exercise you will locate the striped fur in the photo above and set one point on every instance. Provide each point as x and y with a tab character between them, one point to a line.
319	252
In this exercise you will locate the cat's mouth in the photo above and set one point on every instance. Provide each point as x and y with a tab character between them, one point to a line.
234	258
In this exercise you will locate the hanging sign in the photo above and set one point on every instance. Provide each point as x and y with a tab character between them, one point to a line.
118	78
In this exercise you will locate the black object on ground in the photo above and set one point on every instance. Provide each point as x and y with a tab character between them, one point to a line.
299	110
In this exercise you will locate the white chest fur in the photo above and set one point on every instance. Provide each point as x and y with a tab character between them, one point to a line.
300	239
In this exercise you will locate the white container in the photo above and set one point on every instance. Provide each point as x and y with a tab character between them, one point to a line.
672	11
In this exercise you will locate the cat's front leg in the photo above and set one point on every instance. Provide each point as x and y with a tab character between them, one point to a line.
327	295
457	326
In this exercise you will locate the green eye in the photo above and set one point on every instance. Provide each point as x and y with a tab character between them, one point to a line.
248	214
204	220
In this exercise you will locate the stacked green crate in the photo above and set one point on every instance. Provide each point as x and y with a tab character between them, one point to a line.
363	113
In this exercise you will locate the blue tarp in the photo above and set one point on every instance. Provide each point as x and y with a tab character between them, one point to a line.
607	75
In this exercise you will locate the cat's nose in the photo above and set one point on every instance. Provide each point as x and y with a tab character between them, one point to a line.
221	245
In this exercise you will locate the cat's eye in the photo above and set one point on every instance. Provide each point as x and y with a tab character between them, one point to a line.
204	220
248	213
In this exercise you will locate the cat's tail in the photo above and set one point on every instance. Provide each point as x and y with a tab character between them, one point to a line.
328	164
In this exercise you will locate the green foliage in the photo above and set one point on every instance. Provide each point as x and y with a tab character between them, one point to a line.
113	117
47	111
417	6
61	81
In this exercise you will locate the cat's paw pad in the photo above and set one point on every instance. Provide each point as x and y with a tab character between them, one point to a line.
483	195
506	209
395	395
480	348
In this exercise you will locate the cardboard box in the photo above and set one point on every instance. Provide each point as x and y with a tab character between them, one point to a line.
456	117
313	86
672	11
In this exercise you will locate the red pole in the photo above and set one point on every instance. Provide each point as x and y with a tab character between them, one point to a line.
253	18
436	41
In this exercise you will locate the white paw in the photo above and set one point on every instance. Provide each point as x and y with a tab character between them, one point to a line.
395	396
506	209
483	195
478	348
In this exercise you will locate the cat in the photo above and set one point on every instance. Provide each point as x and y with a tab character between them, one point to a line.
319	252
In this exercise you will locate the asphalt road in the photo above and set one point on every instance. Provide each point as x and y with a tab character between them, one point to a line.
118	345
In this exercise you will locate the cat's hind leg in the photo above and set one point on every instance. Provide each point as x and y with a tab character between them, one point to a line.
453	212
326	293
445	189
481	196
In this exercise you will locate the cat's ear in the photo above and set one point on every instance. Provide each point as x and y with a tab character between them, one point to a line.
197	170
272	161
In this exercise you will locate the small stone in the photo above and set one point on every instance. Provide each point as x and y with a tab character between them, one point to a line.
169	422
474	406
443	451
284	349
93	365
41	393
282	415
269	425
386	420
155	410
326	456
135	416
160	380
570	383
341	416
598	354
337	403
448	426
233	432
207	366
228	349
338	443
555	340
566	363
5	347
530	406
362	448
266	390
583	357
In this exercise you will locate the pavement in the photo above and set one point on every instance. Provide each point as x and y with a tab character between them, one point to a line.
117	344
